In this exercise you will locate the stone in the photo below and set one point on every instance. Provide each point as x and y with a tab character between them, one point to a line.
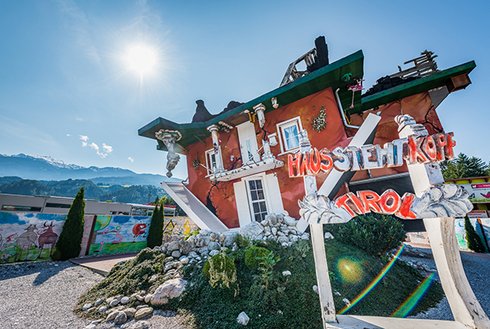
176	254
213	236
120	318
140	298
213	245
272	219
130	312
140	325
242	319
174	245
315	289
286	273
274	231
172	288
148	298
90	326
111	316
85	307
346	301
186	247
213	253
230	238
184	260
204	251
252	231
98	302
102	309
143	313
141	306
290	221
114	302
328	236
124	300
193	254
152	279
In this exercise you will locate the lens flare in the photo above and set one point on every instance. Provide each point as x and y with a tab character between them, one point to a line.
373	283
141	59
350	271
409	304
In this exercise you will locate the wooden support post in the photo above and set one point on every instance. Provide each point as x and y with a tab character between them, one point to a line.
465	307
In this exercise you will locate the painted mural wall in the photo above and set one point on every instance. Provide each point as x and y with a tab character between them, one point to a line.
119	234
28	236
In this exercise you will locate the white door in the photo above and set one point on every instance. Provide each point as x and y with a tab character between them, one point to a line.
248	142
257	198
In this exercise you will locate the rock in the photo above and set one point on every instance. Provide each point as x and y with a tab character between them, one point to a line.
213	236
193	254
328	236
102	309
143	313
130	312
114	302
346	301
152	279
184	260
315	288
120	318
176	254
274	231
213	245
112	316
139	307
290	221
213	253
124	300
252	231
204	251
98	302
85	307
337	293
242	319
140	298
230	238
283	239
186	247
170	289
148	298
173	245
90	326
286	273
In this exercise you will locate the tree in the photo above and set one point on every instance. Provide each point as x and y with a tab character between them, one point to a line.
70	240
464	166
473	239
155	232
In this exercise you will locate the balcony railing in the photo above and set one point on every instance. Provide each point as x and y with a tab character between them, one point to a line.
248	169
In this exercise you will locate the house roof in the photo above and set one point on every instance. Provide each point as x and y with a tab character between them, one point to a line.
332	75
413	87
328	76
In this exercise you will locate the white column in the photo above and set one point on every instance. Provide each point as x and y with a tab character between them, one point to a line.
259	110
217	151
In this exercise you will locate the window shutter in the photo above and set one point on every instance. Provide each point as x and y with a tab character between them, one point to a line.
274	194
241	201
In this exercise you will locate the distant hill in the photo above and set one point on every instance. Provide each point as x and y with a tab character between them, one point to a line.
46	169
69	188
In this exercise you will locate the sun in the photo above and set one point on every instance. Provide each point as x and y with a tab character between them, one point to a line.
141	59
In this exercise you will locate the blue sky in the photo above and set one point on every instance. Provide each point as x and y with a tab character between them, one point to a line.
62	76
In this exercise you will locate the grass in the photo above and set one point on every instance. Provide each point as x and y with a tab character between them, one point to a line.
116	248
287	302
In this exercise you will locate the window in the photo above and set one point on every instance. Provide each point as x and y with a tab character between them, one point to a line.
57	205
248	143
256	195
20	208
211	161
289	134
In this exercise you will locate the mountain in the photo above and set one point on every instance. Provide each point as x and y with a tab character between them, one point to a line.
45	168
69	188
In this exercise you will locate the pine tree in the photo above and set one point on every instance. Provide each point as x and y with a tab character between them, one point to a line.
464	166
155	232
473	239
70	240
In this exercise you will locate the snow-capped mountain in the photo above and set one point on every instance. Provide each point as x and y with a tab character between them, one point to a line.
47	168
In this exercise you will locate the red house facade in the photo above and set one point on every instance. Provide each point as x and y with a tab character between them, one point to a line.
237	159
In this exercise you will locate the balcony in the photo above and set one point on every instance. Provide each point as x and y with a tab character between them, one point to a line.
247	170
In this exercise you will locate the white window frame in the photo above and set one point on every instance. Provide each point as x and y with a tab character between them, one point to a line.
219	160
280	133
249	196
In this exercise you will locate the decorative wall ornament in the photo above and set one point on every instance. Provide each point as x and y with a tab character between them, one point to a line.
447	200
169	138
320	122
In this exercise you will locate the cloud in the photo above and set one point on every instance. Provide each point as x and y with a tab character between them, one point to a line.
107	148
68	135
84	140
131	159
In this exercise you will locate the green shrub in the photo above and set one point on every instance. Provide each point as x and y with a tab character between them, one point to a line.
70	240
155	232
373	233
254	255
221	272
473	239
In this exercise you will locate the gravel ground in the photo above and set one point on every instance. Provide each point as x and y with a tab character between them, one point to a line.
43	294
477	269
